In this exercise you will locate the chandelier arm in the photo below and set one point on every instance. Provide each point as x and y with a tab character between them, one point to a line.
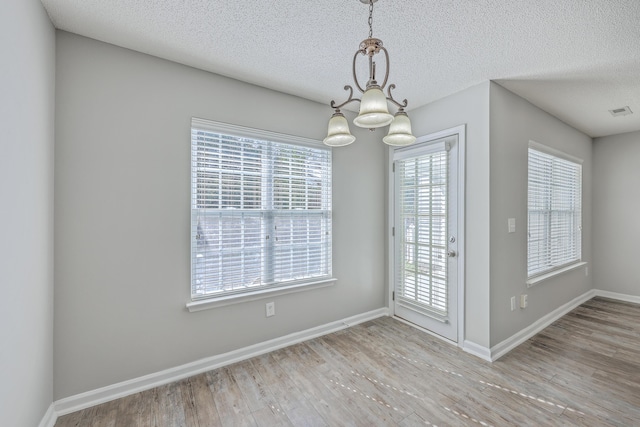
386	74
355	77
349	99
391	98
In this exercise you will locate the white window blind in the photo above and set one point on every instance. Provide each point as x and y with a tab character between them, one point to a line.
554	212
422	260
261	213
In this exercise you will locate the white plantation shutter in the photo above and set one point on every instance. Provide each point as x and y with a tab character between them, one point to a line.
554	211
422	260
260	212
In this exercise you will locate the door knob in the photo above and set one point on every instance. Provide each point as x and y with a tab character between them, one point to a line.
451	254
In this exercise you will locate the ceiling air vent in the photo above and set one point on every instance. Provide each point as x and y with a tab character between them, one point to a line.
622	111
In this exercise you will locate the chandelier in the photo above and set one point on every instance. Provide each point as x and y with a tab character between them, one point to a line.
374	110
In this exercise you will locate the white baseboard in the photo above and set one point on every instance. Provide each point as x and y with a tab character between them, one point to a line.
126	388
620	297
477	350
515	340
50	417
502	348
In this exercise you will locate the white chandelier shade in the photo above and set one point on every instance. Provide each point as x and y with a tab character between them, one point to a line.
338	134
400	131
374	112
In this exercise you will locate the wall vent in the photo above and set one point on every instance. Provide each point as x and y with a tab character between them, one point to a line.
622	111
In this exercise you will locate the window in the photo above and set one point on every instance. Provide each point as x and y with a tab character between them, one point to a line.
422	191
554	210
260	210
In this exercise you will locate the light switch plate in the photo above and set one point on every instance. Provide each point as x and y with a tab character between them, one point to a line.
511	223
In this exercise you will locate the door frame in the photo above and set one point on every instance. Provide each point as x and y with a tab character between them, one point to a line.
461	132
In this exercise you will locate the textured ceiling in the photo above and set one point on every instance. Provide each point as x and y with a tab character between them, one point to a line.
576	59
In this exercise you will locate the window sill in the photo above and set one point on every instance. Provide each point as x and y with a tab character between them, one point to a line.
535	280
205	304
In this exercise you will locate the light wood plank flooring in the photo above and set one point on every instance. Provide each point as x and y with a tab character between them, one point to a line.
582	370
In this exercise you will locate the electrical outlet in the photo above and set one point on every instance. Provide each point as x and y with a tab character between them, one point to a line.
586	271
271	309
511	225
524	301
513	303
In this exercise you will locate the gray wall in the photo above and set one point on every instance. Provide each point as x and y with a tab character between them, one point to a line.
122	216
470	107
514	122
615	213
27	43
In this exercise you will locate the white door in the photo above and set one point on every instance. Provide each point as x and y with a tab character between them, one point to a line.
426	241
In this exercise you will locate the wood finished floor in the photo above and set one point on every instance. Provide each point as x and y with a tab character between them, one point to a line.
582	370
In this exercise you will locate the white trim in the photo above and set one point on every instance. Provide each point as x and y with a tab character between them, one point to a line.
50	417
391	238
620	297
477	350
462	195
554	152
410	151
205	304
425	330
460	129
126	388
537	279
502	348
253	133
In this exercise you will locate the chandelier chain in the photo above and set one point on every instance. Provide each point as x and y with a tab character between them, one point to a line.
374	105
370	18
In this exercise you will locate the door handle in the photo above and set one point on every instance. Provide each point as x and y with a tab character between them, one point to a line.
451	254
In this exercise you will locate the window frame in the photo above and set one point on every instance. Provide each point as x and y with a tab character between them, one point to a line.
234	296
559	267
